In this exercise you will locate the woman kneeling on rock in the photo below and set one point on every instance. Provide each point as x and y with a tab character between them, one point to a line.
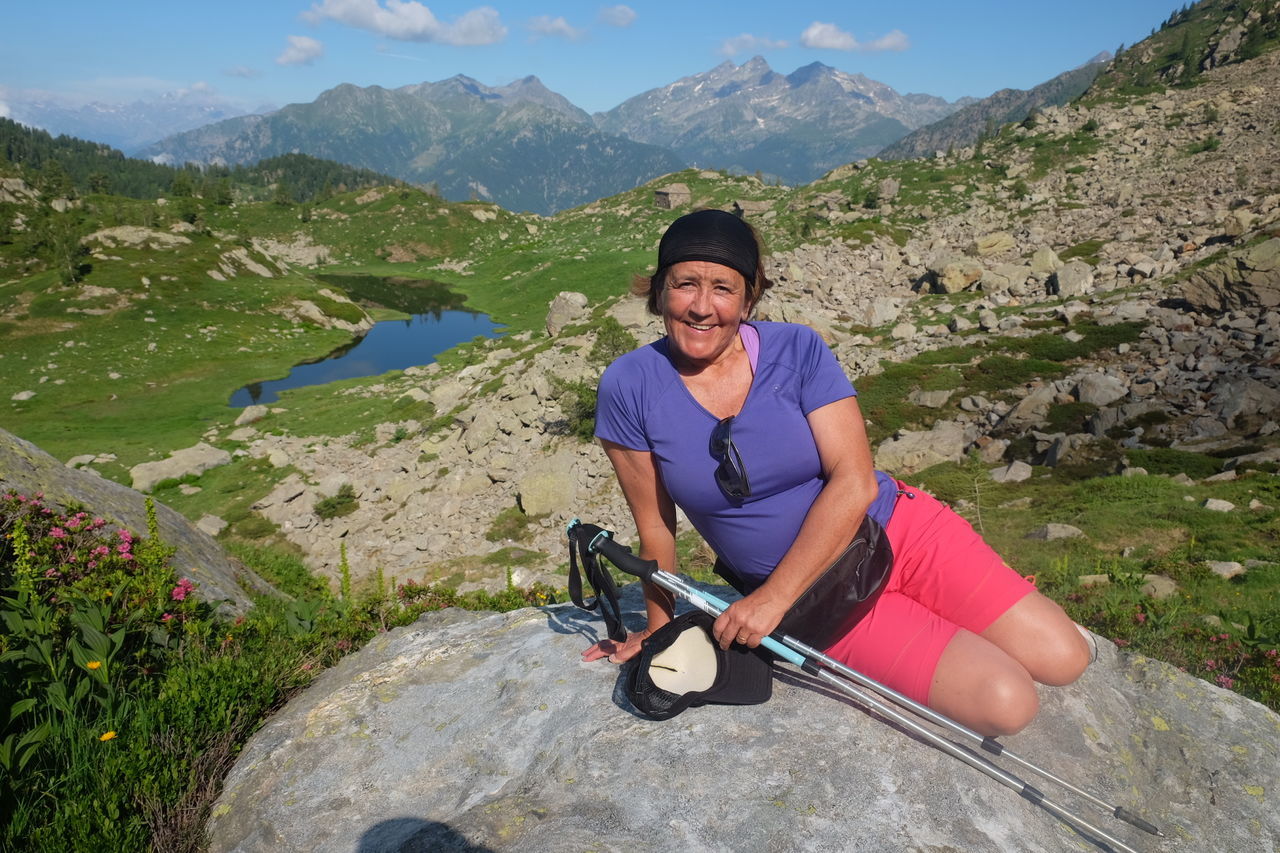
754	431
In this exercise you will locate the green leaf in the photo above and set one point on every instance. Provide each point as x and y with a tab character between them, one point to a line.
21	707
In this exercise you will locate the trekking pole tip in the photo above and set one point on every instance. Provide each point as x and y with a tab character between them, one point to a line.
1131	818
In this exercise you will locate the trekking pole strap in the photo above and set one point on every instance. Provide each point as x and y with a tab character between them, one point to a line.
584	540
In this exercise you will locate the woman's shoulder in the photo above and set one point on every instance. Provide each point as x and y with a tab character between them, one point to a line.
642	365
785	341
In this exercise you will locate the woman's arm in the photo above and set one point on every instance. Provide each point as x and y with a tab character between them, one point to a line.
840	434
655	516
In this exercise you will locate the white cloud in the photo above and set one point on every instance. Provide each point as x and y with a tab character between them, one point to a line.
4	110
242	71
409	20
893	40
747	43
617	16
545	25
830	37
302	50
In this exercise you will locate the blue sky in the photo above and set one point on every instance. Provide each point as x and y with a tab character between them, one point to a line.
273	52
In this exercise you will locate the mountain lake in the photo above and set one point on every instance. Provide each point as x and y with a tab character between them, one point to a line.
437	322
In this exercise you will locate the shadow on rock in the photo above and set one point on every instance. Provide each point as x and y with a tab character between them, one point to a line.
415	835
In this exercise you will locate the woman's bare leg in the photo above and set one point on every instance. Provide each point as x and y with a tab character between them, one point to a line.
1038	634
980	686
987	681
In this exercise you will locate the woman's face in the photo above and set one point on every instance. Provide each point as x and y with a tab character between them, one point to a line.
703	304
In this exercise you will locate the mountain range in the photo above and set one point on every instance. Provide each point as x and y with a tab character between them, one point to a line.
795	126
528	148
128	127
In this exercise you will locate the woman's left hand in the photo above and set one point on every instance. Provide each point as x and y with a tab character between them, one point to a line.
748	620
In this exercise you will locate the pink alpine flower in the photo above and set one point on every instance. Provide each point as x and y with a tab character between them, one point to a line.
180	592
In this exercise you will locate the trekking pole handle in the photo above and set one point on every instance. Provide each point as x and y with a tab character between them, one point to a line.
621	556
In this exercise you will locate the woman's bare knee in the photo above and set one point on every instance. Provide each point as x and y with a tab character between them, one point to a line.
1040	636
980	686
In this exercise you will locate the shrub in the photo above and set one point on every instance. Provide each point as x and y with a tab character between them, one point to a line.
340	504
578	401
1209	143
612	340
511	523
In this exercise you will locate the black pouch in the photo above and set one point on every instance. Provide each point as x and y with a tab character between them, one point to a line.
839	597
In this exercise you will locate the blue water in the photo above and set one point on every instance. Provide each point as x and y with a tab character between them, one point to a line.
389	345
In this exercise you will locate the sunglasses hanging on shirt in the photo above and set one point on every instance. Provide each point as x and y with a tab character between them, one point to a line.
731	475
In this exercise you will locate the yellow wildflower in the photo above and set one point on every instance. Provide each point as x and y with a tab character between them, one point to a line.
94	664
107	736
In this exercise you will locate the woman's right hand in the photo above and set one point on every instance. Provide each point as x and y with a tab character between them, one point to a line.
617	652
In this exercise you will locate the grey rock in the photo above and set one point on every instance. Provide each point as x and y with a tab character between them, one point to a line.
211	524
1076	278
957	275
22	396
566	308
1225	569
930	399
908	452
222	579
549	484
1051	531
1218	505
1100	389
1247	278
995	243
1015	472
192	461
1045	262
251	415
487	732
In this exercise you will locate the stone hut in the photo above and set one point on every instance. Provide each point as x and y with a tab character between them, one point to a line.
672	196
746	207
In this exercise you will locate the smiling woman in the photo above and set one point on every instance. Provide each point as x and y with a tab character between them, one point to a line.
753	430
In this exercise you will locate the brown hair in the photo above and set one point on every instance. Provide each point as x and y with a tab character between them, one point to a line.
650	286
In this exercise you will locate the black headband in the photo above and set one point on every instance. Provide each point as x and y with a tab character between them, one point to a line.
711	235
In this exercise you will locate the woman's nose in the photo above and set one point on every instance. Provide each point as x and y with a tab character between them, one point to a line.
701	301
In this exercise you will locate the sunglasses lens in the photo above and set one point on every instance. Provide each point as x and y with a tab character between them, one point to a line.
731	475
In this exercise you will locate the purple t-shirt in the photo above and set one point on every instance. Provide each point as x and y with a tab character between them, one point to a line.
644	405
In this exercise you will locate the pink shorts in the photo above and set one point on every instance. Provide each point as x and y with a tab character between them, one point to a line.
945	577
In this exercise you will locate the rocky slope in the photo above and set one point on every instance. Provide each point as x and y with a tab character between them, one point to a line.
966	125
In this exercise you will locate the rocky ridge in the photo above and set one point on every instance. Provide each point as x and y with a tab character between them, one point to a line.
1181	245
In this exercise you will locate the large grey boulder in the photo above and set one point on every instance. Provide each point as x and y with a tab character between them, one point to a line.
25	468
471	731
1245	279
189	461
568	307
910	451
1073	279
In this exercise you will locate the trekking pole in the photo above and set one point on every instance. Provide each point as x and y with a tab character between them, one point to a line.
648	570
987	743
